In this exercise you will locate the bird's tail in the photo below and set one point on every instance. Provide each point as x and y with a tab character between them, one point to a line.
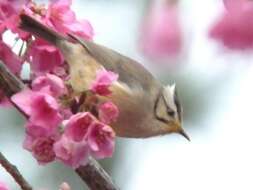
30	24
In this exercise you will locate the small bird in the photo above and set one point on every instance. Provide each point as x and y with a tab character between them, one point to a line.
147	108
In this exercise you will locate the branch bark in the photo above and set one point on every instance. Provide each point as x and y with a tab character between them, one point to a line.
13	171
92	174
95	176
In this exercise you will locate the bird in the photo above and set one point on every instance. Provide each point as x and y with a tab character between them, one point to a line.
146	107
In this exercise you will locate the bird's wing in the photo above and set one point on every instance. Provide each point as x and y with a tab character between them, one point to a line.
130	72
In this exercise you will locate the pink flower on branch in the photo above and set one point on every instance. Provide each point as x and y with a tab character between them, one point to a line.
44	57
101	140
60	16
39	140
50	84
70	152
42	109
9	16
41	148
13	62
108	112
235	29
103	81
77	127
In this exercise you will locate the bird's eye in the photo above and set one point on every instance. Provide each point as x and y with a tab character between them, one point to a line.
171	113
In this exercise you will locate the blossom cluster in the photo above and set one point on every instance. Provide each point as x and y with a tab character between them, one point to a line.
61	125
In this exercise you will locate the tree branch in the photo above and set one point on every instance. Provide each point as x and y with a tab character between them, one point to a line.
95	176
92	174
13	171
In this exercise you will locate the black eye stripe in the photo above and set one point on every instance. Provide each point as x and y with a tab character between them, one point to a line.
170	112
155	108
178	105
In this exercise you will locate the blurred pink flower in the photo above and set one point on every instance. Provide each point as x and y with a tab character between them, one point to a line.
103	81
65	186
44	57
235	29
101	140
161	35
63	19
233	4
108	112
9	16
77	127
50	84
4	101
42	109
12	61
3	186
70	152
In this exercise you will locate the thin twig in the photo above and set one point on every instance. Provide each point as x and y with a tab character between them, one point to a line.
13	171
92	174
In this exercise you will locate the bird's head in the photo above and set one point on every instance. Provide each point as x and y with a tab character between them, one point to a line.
168	111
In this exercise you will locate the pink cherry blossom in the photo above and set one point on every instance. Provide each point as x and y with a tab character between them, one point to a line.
103	81
108	112
70	152
50	84
63	19
234	28
44	57
13	62
101	140
161	35
3	186
41	148
9	16
42	109
39	140
77	127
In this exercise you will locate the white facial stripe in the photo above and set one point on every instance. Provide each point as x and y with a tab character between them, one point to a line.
169	97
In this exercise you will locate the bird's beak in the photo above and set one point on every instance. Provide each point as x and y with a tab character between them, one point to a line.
184	134
181	131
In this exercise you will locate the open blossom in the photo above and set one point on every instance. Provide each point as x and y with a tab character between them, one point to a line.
63	19
41	148
9	16
108	112
13	62
103	81
42	109
50	84
101	140
39	140
44	57
70	152
161	35
3	186
234	28
77	127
